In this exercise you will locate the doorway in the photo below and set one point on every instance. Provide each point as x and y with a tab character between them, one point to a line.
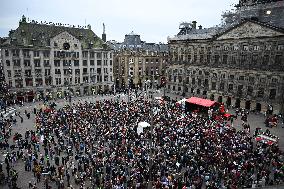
248	105
238	103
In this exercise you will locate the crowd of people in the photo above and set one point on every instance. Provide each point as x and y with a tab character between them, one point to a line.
96	145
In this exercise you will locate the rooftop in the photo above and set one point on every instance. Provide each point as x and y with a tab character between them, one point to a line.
133	42
39	34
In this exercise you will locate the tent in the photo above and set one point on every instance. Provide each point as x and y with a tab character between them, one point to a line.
201	102
141	126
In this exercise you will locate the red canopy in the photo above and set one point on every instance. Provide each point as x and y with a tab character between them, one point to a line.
227	115
201	101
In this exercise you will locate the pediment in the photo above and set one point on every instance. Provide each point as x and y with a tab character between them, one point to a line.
249	30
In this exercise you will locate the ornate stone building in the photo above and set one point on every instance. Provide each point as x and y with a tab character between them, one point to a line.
47	59
240	63
136	61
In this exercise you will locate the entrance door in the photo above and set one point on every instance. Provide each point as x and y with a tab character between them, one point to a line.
238	103
212	97
229	101
258	107
220	99
248	105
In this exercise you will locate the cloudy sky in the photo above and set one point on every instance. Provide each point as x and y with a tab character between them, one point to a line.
154	20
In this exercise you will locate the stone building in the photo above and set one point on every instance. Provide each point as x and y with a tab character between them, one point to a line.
239	63
136	61
47	59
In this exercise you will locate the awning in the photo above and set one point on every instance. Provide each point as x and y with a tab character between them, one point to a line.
200	101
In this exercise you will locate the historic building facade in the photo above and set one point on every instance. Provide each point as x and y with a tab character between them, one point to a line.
41	59
240	64
136	61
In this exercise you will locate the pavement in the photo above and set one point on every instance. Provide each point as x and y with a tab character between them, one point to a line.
255	120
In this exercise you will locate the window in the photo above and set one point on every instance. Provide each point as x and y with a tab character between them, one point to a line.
245	47
240	90
36	53
38	72
241	78
99	71
235	47
56	63
37	63
213	85
254	59
222	86
47	72
110	62
76	63
99	62
250	91
92	62
58	81
193	81
46	54
28	73
256	48
105	55
260	92
265	60
280	47
274	80
105	62
85	63
27	63
251	79
6	52
46	63
77	71
9	73
225	59
92	54
278	60
217	57
232	76
85	54
15	52
230	87
55	44
99	55
57	71
26	53
17	63
7	62
272	94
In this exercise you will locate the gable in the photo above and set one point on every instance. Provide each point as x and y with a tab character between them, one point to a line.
65	35
249	30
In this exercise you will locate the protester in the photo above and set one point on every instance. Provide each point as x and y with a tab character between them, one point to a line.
97	144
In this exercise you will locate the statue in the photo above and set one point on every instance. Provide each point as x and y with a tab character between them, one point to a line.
104	28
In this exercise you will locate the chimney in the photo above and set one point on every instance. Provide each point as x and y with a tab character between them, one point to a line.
200	27
194	24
